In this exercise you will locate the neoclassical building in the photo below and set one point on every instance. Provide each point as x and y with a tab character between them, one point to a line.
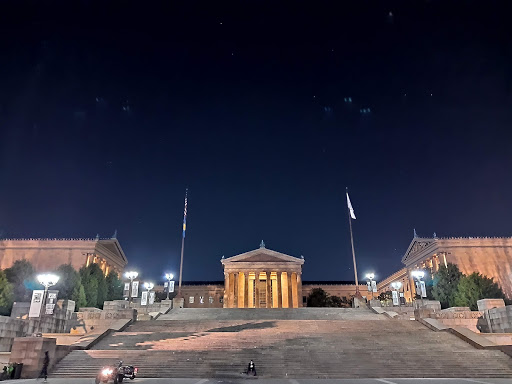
490	256
262	279
47	254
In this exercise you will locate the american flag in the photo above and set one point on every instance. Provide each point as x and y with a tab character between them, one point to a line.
185	214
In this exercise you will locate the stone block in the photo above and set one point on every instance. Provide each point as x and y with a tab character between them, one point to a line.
375	303
486	304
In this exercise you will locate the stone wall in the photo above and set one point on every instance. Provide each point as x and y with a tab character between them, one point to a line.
30	351
499	320
454	317
93	320
12	327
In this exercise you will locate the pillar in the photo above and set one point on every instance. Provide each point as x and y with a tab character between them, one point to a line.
279	291
250	293
225	304
257	289
299	289
241	290
231	299
268	297
412	285
284	289
275	291
295	300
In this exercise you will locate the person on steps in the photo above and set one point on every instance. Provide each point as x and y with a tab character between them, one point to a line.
44	371
251	368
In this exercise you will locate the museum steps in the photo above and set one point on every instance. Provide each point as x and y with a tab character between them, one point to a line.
367	346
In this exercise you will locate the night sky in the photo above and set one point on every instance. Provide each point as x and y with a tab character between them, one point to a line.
266	111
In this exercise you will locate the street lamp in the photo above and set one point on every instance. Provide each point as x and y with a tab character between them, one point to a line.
418	275
46	280
396	285
169	277
149	286
370	277
131	275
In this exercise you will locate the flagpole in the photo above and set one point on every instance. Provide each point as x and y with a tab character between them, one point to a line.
183	242
353	251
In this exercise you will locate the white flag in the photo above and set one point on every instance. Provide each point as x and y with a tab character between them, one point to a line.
352	214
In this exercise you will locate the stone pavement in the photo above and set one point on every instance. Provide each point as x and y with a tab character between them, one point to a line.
282	381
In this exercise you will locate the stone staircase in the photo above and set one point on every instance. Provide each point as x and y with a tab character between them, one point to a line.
300	343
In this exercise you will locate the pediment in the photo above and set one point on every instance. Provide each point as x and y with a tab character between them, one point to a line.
417	245
263	255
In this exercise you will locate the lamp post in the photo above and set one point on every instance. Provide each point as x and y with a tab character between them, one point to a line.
418	275
169	277
370	277
46	280
131	275
149	286
396	286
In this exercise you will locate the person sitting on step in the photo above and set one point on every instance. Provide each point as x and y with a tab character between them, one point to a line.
251	368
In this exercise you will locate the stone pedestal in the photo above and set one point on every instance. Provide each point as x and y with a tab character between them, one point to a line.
375	303
485	304
30	352
178	302
358	302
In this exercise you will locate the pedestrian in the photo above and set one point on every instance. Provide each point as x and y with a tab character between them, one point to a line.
251	368
44	371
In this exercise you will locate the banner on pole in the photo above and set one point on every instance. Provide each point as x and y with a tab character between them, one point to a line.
126	290
151	297
374	286
36	303
171	286
51	300
144	298
423	289
369	286
395	297
135	289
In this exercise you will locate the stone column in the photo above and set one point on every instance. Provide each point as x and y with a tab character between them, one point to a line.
246	291
295	300
241	290
250	293
257	289
268	298
299	289
284	289
231	290
225	304
412	285
279	291
275	293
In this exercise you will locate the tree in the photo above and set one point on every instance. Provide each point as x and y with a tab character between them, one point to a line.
79	297
386	296
476	287
446	280
69	281
6	294
21	276
318	298
95	285
114	286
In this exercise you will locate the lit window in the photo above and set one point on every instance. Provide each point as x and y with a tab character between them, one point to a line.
210	300
221	300
191	299
201	299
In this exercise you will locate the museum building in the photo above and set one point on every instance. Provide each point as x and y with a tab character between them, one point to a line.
48	254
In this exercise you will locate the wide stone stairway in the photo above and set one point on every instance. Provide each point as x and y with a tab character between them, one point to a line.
286	343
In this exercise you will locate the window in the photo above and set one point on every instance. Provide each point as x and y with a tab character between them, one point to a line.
221	299
201	299
191	299
304	300
210	300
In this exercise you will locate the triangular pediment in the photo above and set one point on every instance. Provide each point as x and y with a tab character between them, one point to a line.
418	244
263	255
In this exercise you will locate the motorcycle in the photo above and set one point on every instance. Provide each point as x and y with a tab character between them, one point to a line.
108	374
116	374
128	371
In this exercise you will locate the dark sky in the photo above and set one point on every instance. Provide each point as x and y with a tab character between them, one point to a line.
108	112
